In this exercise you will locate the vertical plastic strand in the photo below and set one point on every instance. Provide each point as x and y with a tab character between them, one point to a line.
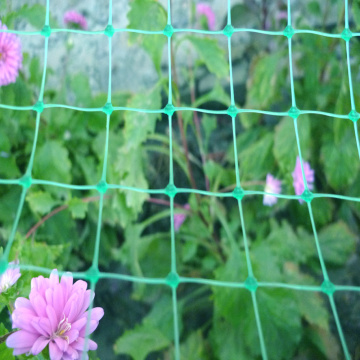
95	262
171	160
293	100
357	138
346	14
170	64
42	88
300	156
106	150
110	13
350	77
47	13
176	325
339	328
229	12
32	155
110	65
15	225
259	327
246	245
231	74
317	243
169	12
173	250
237	171
289	12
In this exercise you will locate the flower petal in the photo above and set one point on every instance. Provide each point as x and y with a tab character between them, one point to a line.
21	339
39	345
55	352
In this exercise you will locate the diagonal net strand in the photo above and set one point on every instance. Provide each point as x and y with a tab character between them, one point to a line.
174	279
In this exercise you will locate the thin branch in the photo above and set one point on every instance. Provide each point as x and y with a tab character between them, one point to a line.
181	126
54	212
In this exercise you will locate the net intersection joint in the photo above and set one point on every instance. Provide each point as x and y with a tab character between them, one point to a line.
354	116
109	31
238	193
168	31
346	34
289	32
46	31
171	190
228	30
251	284
173	280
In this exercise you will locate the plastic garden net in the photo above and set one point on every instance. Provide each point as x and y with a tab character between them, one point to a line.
103	186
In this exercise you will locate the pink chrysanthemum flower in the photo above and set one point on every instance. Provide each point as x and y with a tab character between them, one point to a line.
9	277
75	19
180	218
298	178
10	57
272	186
55	315
206	10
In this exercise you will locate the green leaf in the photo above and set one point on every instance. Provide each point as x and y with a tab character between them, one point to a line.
138	124
148	15
41	254
285	146
337	243
267	77
340	163
52	162
356	12
78	208
211	54
257	159
5	352
216	94
193	347
140	342
41	202
80	86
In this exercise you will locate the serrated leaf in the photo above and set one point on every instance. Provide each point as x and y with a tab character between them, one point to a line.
137	124
211	54
285	146
78	208
337	243
267	77
148	15
340	162
80	86
140	342
257	159
41	202
52	162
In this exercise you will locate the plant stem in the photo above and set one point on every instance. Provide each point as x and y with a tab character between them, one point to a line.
54	212
181	127
197	126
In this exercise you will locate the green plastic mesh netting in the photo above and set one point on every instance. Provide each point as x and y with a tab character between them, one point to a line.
174	278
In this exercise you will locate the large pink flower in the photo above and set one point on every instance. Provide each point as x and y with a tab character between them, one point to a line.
75	19
54	314
207	11
10	57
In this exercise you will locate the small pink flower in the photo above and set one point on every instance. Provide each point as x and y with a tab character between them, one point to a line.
298	178
206	10
75	19
55	315
10	57
9	277
272	186
180	218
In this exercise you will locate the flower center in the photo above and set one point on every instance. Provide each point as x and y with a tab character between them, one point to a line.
62	328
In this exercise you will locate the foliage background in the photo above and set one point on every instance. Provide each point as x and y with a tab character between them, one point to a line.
215	323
